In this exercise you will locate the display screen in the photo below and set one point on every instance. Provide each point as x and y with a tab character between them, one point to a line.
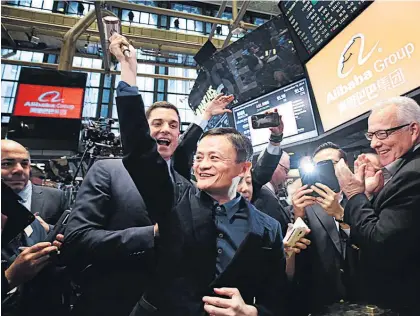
367	62
219	121
316	22
260	62
48	101
293	104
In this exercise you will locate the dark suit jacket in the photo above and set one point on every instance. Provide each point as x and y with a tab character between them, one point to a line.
268	203
325	272
50	203
388	234
109	232
40	296
187	243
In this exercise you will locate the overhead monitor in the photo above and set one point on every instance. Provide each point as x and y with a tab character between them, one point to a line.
367	62
292	102
222	120
48	109
316	22
260	62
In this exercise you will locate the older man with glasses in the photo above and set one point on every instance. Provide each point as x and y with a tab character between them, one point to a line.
385	226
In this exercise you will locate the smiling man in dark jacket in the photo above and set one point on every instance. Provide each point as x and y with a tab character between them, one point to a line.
216	252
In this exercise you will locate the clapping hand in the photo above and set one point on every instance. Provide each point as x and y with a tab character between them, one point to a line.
374	177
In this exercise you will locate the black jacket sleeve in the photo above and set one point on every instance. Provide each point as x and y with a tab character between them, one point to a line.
394	226
183	155
142	160
86	236
263	172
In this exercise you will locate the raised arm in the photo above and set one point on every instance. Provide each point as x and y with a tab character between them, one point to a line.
267	164
142	160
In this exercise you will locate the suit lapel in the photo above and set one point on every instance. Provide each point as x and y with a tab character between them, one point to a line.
406	158
329	225
37	200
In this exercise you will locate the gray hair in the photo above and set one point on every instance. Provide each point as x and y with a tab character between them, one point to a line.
407	109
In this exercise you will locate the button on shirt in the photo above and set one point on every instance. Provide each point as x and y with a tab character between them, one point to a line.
231	221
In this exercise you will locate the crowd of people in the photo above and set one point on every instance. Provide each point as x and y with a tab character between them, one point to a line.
145	239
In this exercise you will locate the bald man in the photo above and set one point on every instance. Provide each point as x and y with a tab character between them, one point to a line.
49	203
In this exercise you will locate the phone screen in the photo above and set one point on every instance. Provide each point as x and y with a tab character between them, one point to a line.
323	172
265	120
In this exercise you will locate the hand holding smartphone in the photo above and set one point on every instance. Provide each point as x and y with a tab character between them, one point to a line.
323	172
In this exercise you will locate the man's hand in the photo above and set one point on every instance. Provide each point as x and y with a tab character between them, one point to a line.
351	184
128	64
300	200
374	177
218	106
300	245
58	242
329	200
278	130
232	306
29	263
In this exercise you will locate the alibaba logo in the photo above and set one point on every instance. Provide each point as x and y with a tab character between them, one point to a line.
350	55
50	96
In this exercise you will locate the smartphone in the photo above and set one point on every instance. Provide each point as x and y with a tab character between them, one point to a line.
59	227
323	172
18	216
265	120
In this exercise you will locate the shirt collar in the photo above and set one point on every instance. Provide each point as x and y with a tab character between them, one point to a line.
233	206
392	168
26	191
271	187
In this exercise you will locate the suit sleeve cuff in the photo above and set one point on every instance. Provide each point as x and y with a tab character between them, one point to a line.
200	122
273	150
124	89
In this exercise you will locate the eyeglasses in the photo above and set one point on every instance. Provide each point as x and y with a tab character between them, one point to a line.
285	169
383	134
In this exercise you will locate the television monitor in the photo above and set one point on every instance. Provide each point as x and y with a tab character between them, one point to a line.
48	101
294	105
367	62
315	23
261	61
48	109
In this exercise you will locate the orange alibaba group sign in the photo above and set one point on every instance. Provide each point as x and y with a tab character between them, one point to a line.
48	101
376	57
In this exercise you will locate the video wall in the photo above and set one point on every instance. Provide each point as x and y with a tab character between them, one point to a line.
367	62
317	22
261	61
292	103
